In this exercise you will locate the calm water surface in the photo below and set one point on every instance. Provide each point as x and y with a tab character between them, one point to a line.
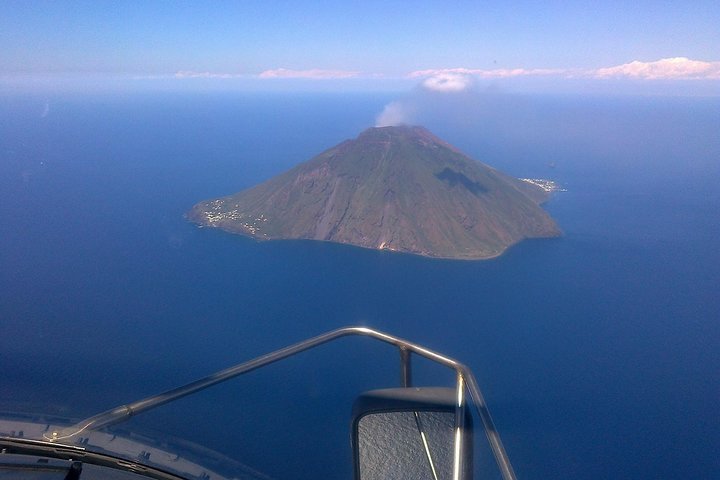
597	352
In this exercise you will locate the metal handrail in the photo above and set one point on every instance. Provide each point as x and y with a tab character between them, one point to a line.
465	380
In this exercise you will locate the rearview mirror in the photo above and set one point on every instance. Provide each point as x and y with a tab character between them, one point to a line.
411	433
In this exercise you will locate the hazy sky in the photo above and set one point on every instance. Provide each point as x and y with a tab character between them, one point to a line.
364	44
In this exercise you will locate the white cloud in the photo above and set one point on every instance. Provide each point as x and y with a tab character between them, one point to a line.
194	74
678	68
447	82
494	73
312	74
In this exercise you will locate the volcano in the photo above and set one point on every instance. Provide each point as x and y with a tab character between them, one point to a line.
392	188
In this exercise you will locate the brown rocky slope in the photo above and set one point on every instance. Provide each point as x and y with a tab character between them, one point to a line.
394	188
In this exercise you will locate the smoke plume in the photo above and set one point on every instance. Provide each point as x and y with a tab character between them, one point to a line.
406	110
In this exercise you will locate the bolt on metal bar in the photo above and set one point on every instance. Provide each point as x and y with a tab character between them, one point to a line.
405	367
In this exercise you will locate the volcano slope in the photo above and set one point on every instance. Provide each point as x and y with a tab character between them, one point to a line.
392	188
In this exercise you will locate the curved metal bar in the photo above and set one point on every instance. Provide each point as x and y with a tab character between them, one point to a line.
124	412
491	432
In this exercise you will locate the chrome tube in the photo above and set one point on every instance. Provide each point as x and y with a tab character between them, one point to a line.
459	420
124	412
490	431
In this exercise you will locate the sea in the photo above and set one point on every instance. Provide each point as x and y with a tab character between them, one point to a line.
598	352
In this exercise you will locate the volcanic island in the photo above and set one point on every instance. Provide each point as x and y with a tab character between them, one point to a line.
392	188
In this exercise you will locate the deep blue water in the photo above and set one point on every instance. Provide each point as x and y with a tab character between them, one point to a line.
598	352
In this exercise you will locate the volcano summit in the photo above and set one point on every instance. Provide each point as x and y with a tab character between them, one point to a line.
392	188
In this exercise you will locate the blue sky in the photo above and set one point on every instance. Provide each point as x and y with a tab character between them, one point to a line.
521	45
